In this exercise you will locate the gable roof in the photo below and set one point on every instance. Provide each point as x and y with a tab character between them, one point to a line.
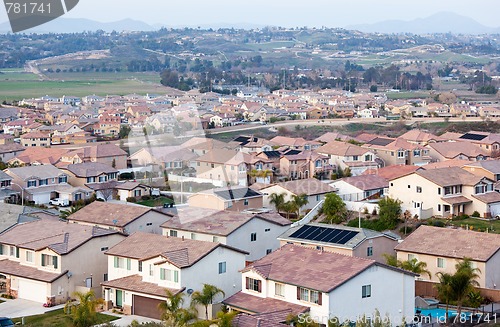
416	135
453	149
451	243
231	193
492	166
341	149
309	186
366	182
220	156
392	172
90	169
181	252
449	176
41	171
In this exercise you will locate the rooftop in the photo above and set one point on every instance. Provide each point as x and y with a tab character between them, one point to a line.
90	169
134	283
310	186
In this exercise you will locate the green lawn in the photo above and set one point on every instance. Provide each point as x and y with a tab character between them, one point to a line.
479	225
57	318
155	202
407	95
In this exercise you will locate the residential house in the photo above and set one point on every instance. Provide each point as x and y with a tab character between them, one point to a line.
235	198
489	112
131	189
486	168
461	110
109	154
489	142
361	187
419	137
295	143
47	260
10	151
124	218
305	164
400	152
90	172
314	189
297	279
346	155
166	157
442	248
108	125
445	192
143	266
350	241
223	165
456	150
255	232
40	184
35	139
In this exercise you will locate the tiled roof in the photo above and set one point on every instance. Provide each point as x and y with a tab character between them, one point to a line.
453	149
446	164
392	172
310	268
233	193
452	243
41	171
134	283
220	156
341	149
90	169
264	320
43	155
9	267
259	305
490	197
309	186
456	199
218	222
59	236
367	182
417	135
449	176
179	251
489	165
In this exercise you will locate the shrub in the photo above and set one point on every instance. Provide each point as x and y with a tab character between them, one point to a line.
374	212
146	197
131	199
438	223
365	211
126	176
476	214
461	217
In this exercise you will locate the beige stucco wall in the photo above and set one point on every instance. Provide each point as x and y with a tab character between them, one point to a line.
212	202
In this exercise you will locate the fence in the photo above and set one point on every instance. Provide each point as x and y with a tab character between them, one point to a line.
427	289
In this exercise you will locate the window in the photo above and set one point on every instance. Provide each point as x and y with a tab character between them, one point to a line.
193	236
151	270
439	190
401	154
29	256
318	198
49	261
305	294
245	202
253	237
355	158
129	264
368	157
269	251
43	182
90	179
173	233
105	277
318	163
253	284
279	289
419	189
411	256
149	224
267	230
439	208
32	183
369	251
212	165
222	267
139	265
416	153
366	291
104	249
63	179
119	262
137	193
441	262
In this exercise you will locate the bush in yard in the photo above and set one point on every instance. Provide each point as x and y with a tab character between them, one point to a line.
334	209
476	214
131	199
389	211
146	197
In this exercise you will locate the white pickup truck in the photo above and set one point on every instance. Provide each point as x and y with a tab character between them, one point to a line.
59	202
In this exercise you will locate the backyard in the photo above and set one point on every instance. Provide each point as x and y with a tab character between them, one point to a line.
57	318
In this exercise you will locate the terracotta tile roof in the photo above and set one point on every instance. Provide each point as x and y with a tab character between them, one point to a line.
42	155
15	268
332	136
417	135
110	214
61	237
449	176
446	163
490	197
392	172
341	149
258	305
456	199
134	283
90	169
309	186
180	252
367	182
452	243
218	222
98	151
489	165
310	268
453	149
245	320
220	156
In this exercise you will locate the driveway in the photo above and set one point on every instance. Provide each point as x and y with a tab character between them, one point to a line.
22	308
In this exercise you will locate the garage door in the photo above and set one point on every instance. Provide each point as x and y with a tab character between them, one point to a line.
146	307
33	291
495	210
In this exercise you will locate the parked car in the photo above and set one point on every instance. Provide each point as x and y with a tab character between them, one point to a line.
59	202
6	322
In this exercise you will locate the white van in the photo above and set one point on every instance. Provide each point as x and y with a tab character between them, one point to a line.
60	202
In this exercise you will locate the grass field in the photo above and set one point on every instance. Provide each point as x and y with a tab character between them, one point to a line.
57	318
155	202
479	225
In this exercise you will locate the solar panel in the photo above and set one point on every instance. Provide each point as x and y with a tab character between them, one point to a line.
472	136
324	234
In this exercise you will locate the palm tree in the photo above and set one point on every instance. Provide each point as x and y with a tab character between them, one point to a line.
413	265
84	312
225	319
444	289
206	296
278	200
299	201
172	312
289	207
464	282
391	260
64	214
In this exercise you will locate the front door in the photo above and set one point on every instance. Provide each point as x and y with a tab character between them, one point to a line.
119	298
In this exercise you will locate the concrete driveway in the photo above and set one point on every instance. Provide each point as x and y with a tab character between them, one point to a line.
22	308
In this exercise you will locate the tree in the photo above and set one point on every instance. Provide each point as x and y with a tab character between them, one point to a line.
444	289
278	200
64	214
299	201
391	260
173	313
107	190
334	209
206	296
389	211
373	88
83	313
113	163
464	282
225	319
413	265
124	131
289	207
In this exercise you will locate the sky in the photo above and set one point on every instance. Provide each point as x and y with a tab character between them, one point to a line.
287	13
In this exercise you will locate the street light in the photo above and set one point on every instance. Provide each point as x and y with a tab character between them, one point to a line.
22	193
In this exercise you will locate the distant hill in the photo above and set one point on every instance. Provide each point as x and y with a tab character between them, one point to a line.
76	25
442	22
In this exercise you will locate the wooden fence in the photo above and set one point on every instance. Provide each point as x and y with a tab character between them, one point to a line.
427	289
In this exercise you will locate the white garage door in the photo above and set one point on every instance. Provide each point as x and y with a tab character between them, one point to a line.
495	209
42	198
33	291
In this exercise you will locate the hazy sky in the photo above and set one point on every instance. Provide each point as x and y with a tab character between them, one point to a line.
290	13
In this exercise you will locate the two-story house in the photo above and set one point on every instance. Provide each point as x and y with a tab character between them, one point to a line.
361	187
89	173
215	165
109	154
346	155
306	164
47	260
35	139
235	198
42	183
253	231
297	279
399	152
445	192
486	168
456	150
142	266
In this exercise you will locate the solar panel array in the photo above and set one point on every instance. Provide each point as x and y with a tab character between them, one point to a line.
472	136
323	234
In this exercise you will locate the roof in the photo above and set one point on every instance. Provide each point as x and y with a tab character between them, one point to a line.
90	169
42	155
449	176
366	182
490	197
218	222
392	172
111	214
129	185
12	147
181	252
233	193
492	166
459	199
134	283
453	149
9	267
309	268
341	149
452	243
416	135
309	186
98	151
326	234
446	163
220	156
58	236
333	136
261	320
259	305
41	172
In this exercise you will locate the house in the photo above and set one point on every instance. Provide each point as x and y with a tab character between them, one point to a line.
167	157
314	189
399	152
235	198
442	248
215	165
295	143
298	279
445	192
10	151
419	137
254	231
40	184
108	125
109	154
486	168
351	241
130	189
346	155
47	260
361	188
456	150
124	218
90	172
305	164
489	142
142	266
35	139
